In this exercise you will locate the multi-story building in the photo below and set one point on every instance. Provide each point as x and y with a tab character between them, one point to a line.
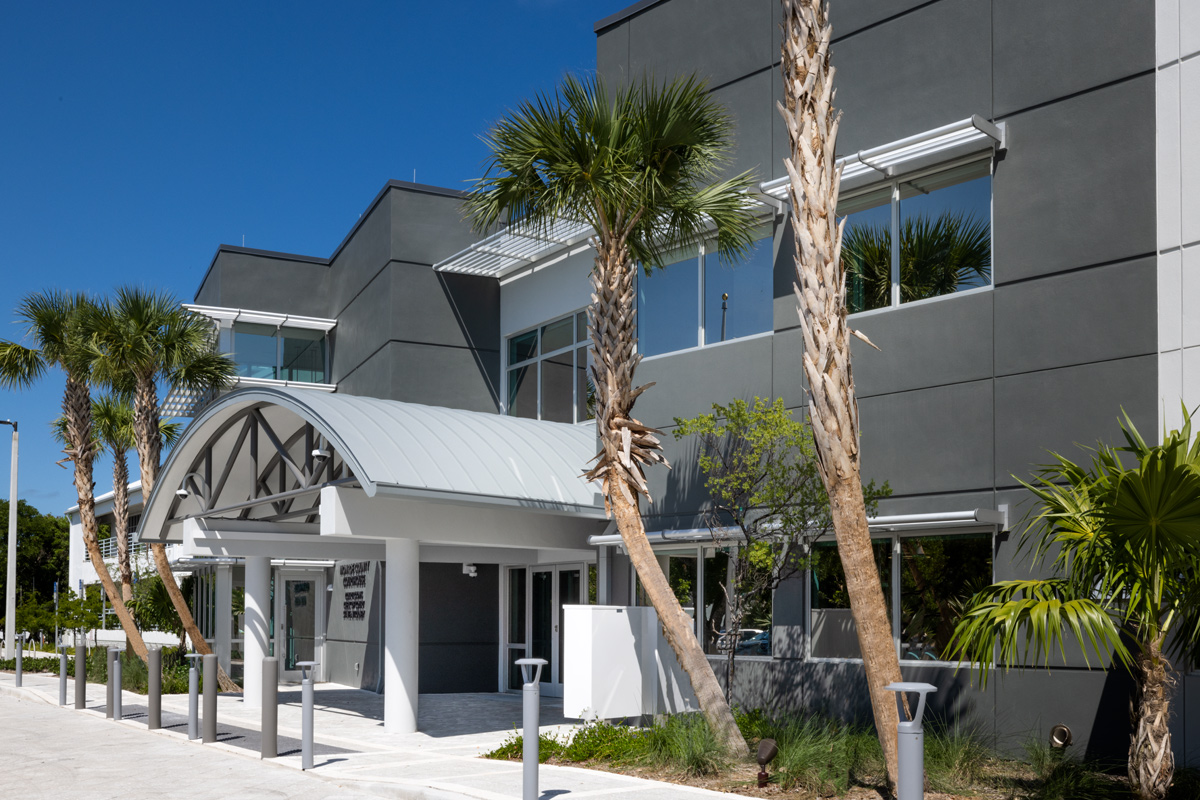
418	399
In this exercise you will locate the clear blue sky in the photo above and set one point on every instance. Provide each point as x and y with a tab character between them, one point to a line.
136	137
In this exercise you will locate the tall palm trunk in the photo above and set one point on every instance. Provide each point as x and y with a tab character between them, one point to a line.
121	522
146	434
77	408
626	445
821	291
1151	761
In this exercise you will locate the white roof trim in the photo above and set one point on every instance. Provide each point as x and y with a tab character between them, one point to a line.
262	317
956	140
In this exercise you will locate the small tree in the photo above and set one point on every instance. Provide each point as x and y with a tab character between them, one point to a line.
79	612
1122	545
768	503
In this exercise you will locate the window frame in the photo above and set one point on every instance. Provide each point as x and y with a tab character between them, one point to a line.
894	538
894	183
539	356
279	367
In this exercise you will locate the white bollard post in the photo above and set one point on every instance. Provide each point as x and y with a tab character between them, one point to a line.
531	694
306	713
910	743
193	697
117	713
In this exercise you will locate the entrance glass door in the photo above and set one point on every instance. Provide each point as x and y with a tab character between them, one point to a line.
536	596
300	618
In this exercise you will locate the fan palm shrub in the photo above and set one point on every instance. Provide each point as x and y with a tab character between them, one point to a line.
1121	546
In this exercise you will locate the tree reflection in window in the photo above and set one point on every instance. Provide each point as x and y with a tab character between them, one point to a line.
938	576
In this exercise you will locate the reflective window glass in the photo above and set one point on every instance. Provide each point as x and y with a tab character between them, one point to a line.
558	378
522	392
523	347
867	249
255	349
581	334
558	335
748	286
831	628
938	576
585	390
303	355
946	232
668	315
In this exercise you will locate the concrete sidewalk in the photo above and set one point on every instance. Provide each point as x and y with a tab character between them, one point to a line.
352	752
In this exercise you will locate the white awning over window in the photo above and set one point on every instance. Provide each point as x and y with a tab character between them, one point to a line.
514	248
938	146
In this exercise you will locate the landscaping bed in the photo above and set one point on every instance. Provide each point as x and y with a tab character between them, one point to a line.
820	757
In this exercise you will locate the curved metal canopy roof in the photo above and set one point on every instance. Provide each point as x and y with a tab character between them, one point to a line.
385	446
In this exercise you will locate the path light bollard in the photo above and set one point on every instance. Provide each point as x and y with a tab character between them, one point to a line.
270	707
80	673
306	713
193	697
20	647
910	742
118	690
531	694
154	688
108	674
210	698
62	677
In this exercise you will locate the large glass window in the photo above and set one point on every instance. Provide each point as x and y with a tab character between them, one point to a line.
738	296
737	299
831	628
939	240
938	576
668	307
547	372
289	354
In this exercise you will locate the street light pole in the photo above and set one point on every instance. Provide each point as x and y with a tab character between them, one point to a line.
10	582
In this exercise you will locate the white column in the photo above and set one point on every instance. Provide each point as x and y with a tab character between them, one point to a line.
258	632
401	599
223	635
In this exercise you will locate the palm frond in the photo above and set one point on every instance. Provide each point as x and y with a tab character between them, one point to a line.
20	367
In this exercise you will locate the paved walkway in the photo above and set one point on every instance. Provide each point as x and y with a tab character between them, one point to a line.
353	754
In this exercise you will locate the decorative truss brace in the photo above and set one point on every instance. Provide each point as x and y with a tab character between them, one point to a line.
288	474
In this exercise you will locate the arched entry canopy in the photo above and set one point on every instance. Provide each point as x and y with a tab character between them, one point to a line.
268	458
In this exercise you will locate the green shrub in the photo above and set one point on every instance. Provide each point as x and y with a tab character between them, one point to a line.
33	664
956	757
512	749
684	742
602	741
1058	776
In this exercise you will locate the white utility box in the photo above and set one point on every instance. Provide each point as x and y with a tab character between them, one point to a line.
618	664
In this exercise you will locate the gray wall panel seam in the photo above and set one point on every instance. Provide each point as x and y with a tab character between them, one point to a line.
1071	270
375	352
1076	364
1072	95
837	39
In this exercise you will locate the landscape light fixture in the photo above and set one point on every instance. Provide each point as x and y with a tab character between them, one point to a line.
767	750
1060	736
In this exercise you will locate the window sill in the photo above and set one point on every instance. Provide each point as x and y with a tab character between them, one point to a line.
712	346
913	303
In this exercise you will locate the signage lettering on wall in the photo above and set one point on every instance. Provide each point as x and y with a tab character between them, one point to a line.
354	581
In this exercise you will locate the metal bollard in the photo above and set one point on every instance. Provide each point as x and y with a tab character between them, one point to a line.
80	672
20	647
910	743
118	690
270	707
154	688
210	698
108	674
62	677
193	698
531	694
306	713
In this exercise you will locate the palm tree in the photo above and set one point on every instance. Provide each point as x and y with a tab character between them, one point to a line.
55	324
637	164
1122	547
143	337
112	418
812	127
938	255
